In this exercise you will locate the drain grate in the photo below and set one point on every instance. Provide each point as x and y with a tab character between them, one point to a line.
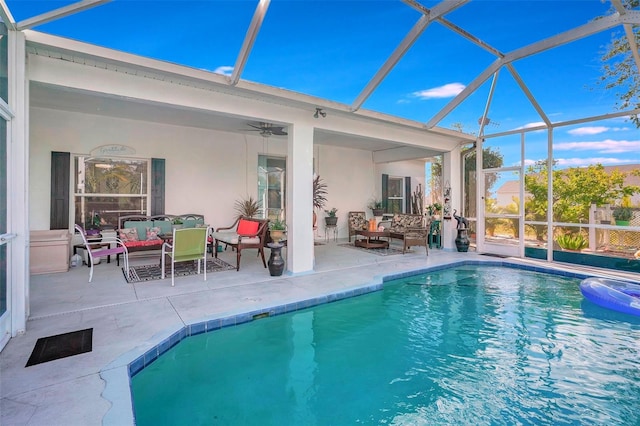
61	346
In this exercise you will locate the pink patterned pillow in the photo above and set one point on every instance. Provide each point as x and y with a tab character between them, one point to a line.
128	234
152	233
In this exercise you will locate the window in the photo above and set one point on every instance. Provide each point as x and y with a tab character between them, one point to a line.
106	188
396	195
272	186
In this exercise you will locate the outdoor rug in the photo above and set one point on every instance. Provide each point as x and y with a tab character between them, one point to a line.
377	251
61	346
153	272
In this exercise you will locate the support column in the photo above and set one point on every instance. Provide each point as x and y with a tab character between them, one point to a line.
451	174
300	251
18	176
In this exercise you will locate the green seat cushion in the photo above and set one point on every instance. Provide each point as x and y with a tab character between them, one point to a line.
191	223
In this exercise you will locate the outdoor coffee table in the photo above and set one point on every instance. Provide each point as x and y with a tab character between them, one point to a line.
372	239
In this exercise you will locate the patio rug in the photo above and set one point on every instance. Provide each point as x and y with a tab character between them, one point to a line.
377	251
153	272
61	346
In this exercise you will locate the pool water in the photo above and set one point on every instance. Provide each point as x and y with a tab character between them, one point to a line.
467	345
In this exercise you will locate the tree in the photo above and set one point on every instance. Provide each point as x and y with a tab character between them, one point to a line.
574	190
619	70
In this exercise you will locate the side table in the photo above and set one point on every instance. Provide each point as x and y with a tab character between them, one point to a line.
331	229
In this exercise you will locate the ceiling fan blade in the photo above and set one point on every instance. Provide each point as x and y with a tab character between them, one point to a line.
278	131
255	127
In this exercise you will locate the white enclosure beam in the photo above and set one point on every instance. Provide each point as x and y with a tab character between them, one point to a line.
402	154
6	16
59	13
483	119
466	92
405	44
528	94
249	39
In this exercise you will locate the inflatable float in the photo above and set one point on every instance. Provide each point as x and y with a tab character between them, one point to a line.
620	296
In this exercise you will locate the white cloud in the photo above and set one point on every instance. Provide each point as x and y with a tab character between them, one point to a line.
579	162
609	146
581	131
530	125
224	70
447	91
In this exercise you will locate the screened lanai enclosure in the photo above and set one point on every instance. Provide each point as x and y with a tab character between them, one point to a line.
519	115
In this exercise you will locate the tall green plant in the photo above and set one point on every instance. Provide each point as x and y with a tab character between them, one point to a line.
319	193
248	207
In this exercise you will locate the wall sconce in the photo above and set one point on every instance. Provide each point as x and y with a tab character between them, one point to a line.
319	113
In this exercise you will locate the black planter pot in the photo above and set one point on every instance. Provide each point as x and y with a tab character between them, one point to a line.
276	262
462	240
331	220
377	212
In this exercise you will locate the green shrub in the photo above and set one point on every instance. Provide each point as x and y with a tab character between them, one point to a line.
572	241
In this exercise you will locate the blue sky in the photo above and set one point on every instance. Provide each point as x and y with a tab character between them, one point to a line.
331	49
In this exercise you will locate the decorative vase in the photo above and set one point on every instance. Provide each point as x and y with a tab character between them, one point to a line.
276	262
462	240
276	235
331	220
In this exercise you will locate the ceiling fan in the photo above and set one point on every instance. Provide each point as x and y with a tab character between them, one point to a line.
267	129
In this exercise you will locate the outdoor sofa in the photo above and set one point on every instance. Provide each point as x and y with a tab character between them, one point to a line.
141	233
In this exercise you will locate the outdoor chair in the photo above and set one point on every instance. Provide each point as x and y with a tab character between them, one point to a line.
98	249
187	245
245	233
357	222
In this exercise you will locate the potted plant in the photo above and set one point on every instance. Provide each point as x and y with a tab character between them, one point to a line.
247	207
319	197
376	207
331	219
434	210
177	223
277	228
572	242
622	215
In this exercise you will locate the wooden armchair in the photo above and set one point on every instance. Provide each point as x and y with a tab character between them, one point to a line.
245	233
357	222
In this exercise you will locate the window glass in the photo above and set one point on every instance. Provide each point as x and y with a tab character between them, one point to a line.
396	195
272	186
4	82
106	188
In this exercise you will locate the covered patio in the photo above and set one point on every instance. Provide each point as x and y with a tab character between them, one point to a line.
206	138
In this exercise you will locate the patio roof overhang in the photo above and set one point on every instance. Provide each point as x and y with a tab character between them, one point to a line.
390	138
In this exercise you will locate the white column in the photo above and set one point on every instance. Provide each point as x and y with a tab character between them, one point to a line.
300	252
18	177
451	174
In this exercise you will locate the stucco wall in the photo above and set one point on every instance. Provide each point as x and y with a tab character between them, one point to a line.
206	171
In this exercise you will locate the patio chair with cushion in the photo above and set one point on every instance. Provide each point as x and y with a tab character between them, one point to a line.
187	245
357	222
105	247
245	233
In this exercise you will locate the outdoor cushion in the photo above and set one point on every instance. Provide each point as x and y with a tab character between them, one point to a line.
192	223
247	227
231	237
143	243
141	226
128	234
164	225
358	221
152	233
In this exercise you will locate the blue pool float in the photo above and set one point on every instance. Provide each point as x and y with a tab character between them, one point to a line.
620	296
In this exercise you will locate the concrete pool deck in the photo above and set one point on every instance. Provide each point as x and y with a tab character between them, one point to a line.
129	319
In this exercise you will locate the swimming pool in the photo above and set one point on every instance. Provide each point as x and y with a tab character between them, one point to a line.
467	345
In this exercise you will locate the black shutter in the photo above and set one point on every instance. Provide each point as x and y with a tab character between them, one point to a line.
157	186
60	175
407	194
385	193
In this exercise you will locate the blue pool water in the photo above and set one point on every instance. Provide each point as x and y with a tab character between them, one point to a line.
468	345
